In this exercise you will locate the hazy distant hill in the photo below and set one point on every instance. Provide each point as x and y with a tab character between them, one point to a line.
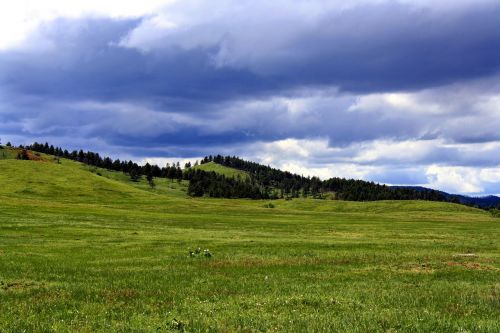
483	202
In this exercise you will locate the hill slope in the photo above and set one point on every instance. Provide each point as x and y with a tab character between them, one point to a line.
224	178
73	182
60	182
222	170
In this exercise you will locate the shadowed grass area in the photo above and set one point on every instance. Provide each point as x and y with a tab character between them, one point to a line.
82	252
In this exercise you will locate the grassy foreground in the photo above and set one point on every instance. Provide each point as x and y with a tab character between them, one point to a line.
83	252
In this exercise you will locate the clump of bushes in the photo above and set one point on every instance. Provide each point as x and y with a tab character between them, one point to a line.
269	205
23	155
199	253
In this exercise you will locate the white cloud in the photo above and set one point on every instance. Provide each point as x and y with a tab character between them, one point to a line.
311	157
20	18
389	162
407	102
162	161
455	179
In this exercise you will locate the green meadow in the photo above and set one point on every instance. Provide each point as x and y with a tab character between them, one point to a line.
87	250
221	169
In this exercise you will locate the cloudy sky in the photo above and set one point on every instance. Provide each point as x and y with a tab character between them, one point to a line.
398	92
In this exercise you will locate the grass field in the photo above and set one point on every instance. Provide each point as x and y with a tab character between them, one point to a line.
221	169
82	252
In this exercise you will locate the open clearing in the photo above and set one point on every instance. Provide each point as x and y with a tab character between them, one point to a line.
83	252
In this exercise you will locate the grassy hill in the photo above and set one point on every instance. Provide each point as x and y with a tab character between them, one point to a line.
221	169
83	252
7	153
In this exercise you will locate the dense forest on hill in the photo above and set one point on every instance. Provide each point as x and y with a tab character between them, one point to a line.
264	182
276	183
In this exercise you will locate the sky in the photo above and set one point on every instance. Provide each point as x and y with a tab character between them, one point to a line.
401	92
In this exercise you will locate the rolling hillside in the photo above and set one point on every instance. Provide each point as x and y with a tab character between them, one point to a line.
84	249
222	170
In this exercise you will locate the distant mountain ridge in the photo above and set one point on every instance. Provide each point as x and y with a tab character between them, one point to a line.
483	202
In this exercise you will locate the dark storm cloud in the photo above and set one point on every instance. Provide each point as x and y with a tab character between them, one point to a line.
397	47
86	63
362	49
368	48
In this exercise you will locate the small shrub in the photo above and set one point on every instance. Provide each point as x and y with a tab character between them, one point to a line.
23	155
198	252
177	325
269	205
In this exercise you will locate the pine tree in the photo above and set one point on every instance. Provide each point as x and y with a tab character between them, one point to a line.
135	175
150	179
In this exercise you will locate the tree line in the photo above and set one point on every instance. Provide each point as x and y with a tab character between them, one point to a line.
264	182
211	184
201	183
275	183
135	171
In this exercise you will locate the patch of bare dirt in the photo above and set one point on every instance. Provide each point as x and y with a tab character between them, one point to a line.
120	294
470	265
19	285
469	255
